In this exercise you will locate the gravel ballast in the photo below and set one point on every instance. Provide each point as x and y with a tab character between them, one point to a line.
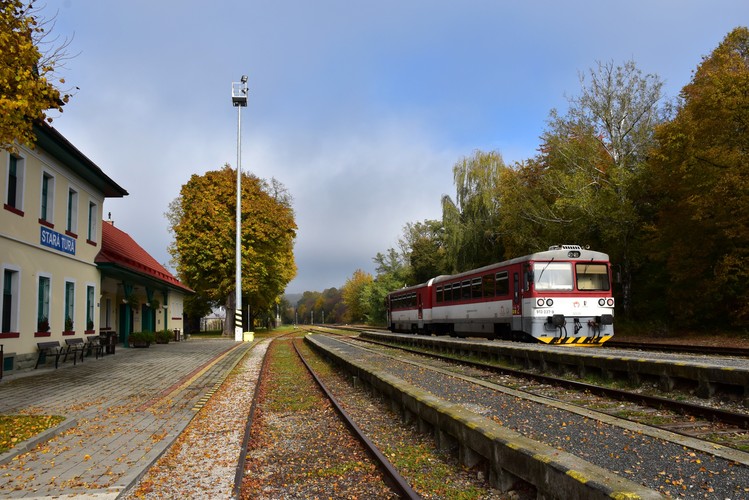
661	465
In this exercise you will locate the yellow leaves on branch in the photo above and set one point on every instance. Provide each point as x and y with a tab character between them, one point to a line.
203	221
25	93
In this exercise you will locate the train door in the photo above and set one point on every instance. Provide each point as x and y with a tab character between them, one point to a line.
420	305
517	303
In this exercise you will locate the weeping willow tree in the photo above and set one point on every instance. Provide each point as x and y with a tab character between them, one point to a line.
471	222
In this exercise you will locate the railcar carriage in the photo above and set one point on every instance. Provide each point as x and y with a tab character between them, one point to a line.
410	309
560	296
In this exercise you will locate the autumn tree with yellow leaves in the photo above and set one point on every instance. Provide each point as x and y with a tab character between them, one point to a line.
700	177
26	92
202	219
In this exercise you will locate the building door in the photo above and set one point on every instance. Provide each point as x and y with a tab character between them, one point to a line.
125	323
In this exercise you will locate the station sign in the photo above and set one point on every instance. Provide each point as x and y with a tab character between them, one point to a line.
57	241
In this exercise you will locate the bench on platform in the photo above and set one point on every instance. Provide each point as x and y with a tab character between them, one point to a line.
51	348
75	346
94	345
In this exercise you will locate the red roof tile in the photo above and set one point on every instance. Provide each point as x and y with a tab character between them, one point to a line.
117	247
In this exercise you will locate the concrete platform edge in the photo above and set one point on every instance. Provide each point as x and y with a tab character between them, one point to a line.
556	473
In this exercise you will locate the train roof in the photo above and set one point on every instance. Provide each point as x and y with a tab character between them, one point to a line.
558	252
411	288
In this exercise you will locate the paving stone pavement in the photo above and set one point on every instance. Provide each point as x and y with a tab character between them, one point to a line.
123	411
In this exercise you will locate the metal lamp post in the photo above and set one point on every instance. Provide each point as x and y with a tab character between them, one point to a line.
239	101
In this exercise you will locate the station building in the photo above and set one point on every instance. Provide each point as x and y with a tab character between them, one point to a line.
64	272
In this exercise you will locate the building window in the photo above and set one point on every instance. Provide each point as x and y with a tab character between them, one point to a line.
92	213
42	315
69	305
72	222
10	301
14	194
89	307
48	197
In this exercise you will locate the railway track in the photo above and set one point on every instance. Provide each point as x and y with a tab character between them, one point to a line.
724	427
706	350
394	478
480	377
689	349
298	428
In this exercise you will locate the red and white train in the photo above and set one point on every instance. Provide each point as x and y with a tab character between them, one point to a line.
561	296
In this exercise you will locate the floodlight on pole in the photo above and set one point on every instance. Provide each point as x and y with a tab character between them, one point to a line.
239	101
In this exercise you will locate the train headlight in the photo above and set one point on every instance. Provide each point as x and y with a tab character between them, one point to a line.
610	302
540	302
601	302
549	302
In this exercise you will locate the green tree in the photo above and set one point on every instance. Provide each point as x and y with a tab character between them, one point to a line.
700	173
392	273
525	221
594	158
25	90
471	221
352	296
202	219
423	243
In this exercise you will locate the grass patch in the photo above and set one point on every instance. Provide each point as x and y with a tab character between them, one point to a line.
15	429
286	393
428	474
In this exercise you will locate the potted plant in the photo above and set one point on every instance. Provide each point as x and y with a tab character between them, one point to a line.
68	324
42	325
132	300
163	336
141	339
154	304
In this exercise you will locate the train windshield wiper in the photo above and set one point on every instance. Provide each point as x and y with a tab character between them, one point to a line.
544	269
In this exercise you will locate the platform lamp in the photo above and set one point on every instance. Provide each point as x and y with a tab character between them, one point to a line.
239	101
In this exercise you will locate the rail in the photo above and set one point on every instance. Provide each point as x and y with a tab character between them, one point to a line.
397	481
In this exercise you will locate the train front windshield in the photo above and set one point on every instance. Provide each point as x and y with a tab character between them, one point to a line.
593	277
552	276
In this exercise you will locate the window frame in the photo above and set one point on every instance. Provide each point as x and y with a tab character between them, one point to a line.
15	181
71	222
93	211
10	310
47	198
43	303
90	305
69	303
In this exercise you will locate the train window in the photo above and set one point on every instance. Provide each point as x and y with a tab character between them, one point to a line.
552	275
488	285
466	289
456	291
440	295
476	288
503	283
592	276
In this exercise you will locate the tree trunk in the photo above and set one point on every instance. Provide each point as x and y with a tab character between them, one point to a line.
229	321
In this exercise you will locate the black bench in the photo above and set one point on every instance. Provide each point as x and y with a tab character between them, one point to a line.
94	345
75	346
48	349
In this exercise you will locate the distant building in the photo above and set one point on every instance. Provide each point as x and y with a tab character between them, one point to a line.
60	276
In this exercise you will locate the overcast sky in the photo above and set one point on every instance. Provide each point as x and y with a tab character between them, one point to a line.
360	108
